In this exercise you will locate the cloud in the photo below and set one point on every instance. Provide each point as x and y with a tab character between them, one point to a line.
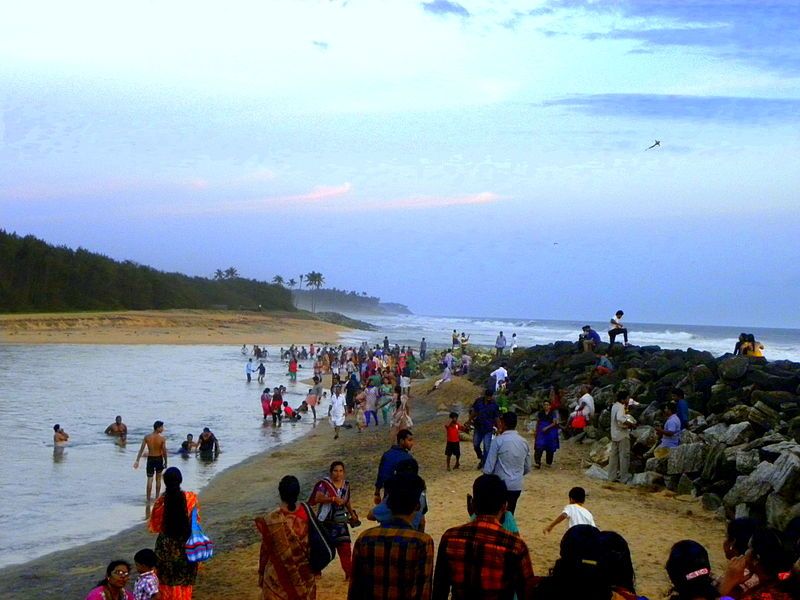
445	7
321	192
762	33
727	109
320	44
439	201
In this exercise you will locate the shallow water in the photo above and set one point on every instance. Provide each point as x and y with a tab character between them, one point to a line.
53	502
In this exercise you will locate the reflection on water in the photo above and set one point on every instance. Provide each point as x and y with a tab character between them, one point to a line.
89	489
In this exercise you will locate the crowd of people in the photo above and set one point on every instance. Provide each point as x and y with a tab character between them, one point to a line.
486	557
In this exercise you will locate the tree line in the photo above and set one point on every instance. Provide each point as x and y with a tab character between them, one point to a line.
37	276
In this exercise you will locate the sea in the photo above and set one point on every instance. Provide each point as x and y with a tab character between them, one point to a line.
53	501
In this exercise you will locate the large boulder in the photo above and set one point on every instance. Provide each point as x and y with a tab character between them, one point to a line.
644	437
747	490
596	472
730	435
734	368
686	458
780	512
785	475
600	452
763	417
746	461
657	465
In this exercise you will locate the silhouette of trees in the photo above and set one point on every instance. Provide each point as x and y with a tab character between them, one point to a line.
314	280
277	280
36	276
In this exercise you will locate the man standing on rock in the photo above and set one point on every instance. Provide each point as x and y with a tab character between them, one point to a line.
499	345
423	349
617	328
509	458
620	458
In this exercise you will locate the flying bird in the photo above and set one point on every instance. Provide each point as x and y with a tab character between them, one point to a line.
657	143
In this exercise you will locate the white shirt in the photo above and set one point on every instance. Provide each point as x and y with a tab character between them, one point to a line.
500	375
618	432
578	515
616	322
337	409
588	400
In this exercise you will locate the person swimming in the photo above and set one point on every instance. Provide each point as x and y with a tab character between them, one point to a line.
118	429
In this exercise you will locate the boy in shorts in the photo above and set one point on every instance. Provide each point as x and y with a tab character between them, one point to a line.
156	457
453	447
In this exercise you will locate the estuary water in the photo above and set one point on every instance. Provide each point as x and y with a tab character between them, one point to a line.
52	502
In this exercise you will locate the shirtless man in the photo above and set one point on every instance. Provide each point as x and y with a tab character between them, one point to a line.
156	457
118	428
60	437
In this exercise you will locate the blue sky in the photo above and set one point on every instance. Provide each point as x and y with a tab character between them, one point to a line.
466	158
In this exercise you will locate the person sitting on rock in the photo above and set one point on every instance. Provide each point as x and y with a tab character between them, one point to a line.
752	348
671	432
681	407
589	339
617	328
737	349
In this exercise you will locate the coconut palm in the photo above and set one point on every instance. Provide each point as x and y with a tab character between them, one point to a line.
314	280
219	274
277	280
231	273
291	283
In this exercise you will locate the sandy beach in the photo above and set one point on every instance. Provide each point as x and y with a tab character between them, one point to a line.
165	327
651	522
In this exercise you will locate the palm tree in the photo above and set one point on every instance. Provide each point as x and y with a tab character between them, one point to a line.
301	279
219	274
231	273
314	280
291	283
277	280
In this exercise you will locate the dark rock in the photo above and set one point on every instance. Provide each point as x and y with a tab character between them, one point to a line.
765	381
645	437
763	417
746	461
652	412
734	368
685	485
747	489
584	359
714	462
647	478
711	501
771	452
785	474
780	512
730	435
657	465
774	399
686	458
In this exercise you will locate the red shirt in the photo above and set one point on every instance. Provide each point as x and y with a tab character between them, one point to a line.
452	432
276	405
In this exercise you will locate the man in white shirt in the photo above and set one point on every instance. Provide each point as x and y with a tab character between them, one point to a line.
500	344
585	405
500	374
509	458
617	328
620	457
513	342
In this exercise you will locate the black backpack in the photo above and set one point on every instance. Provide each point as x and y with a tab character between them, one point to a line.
323	550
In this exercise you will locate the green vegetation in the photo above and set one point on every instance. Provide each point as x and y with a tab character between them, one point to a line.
36	276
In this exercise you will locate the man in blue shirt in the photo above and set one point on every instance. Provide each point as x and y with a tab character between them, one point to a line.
509	458
391	458
483	415
589	338
681	406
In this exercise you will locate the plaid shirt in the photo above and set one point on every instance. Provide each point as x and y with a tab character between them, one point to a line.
392	562
482	560
146	586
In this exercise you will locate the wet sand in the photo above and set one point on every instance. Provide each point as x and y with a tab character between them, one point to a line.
166	327
651	522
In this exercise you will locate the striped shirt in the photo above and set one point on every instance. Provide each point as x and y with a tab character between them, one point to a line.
482	560
392	562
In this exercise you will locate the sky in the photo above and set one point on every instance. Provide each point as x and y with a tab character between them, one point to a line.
463	158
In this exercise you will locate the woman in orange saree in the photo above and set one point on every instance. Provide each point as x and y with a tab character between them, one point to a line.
284	571
171	520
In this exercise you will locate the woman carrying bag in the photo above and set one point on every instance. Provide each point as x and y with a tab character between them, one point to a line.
332	495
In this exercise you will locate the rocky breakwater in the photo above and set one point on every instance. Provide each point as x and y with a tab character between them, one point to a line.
741	451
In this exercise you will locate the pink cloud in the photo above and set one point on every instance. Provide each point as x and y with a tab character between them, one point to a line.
441	201
321	192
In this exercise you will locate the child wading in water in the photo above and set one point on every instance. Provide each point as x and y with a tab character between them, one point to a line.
453	446
574	511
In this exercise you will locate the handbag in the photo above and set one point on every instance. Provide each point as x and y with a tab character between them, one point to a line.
322	549
578	421
199	546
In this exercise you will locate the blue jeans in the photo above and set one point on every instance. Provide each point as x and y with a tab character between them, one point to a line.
477	439
374	414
